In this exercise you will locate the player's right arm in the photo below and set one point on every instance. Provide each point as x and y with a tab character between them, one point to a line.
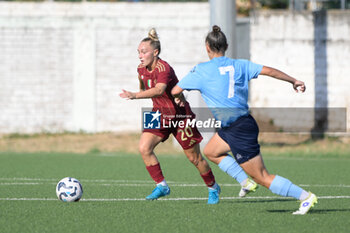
156	91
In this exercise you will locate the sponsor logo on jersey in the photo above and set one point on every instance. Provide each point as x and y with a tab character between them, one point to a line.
192	142
193	69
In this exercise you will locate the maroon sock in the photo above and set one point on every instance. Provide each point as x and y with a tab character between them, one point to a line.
208	178
156	172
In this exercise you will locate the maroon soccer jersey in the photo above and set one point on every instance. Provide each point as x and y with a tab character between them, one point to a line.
163	73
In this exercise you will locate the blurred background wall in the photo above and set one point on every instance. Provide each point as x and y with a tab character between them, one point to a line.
313	47
63	65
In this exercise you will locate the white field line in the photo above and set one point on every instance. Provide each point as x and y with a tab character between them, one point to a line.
141	182
83	180
172	185
21	183
125	185
164	199
326	185
344	159
41	181
137	183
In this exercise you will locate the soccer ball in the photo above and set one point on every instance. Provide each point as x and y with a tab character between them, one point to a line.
69	189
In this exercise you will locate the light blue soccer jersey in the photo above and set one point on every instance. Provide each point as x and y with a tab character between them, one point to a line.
223	83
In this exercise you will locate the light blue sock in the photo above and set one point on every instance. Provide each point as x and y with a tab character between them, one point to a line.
231	167
285	187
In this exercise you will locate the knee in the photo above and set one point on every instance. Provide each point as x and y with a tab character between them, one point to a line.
145	149
194	161
209	154
194	158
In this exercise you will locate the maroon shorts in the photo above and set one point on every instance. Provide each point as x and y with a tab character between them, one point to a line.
187	137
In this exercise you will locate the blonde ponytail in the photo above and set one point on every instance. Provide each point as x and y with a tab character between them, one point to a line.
153	34
153	39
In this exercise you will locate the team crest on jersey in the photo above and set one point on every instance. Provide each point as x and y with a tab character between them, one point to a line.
142	76
193	69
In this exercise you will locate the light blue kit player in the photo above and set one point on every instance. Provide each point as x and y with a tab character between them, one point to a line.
223	83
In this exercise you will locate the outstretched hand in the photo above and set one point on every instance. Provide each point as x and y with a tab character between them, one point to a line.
127	95
299	86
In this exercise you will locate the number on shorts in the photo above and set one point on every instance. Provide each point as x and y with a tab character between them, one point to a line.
185	132
231	72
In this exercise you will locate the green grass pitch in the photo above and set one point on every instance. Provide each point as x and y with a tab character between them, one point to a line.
115	186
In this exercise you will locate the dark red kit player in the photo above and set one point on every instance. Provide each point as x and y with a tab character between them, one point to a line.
157	78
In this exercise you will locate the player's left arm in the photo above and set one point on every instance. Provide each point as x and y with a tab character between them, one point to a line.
272	72
156	91
177	91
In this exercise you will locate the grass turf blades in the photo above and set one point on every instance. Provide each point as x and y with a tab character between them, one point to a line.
107	179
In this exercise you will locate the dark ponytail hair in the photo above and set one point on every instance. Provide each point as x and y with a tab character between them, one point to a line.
216	40
154	39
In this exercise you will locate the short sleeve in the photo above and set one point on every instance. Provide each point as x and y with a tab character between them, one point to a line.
164	77
254	70
192	81
139	69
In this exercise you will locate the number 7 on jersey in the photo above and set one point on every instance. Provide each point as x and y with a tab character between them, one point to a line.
231	72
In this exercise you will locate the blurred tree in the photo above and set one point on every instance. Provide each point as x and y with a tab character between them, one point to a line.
274	4
243	6
334	4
